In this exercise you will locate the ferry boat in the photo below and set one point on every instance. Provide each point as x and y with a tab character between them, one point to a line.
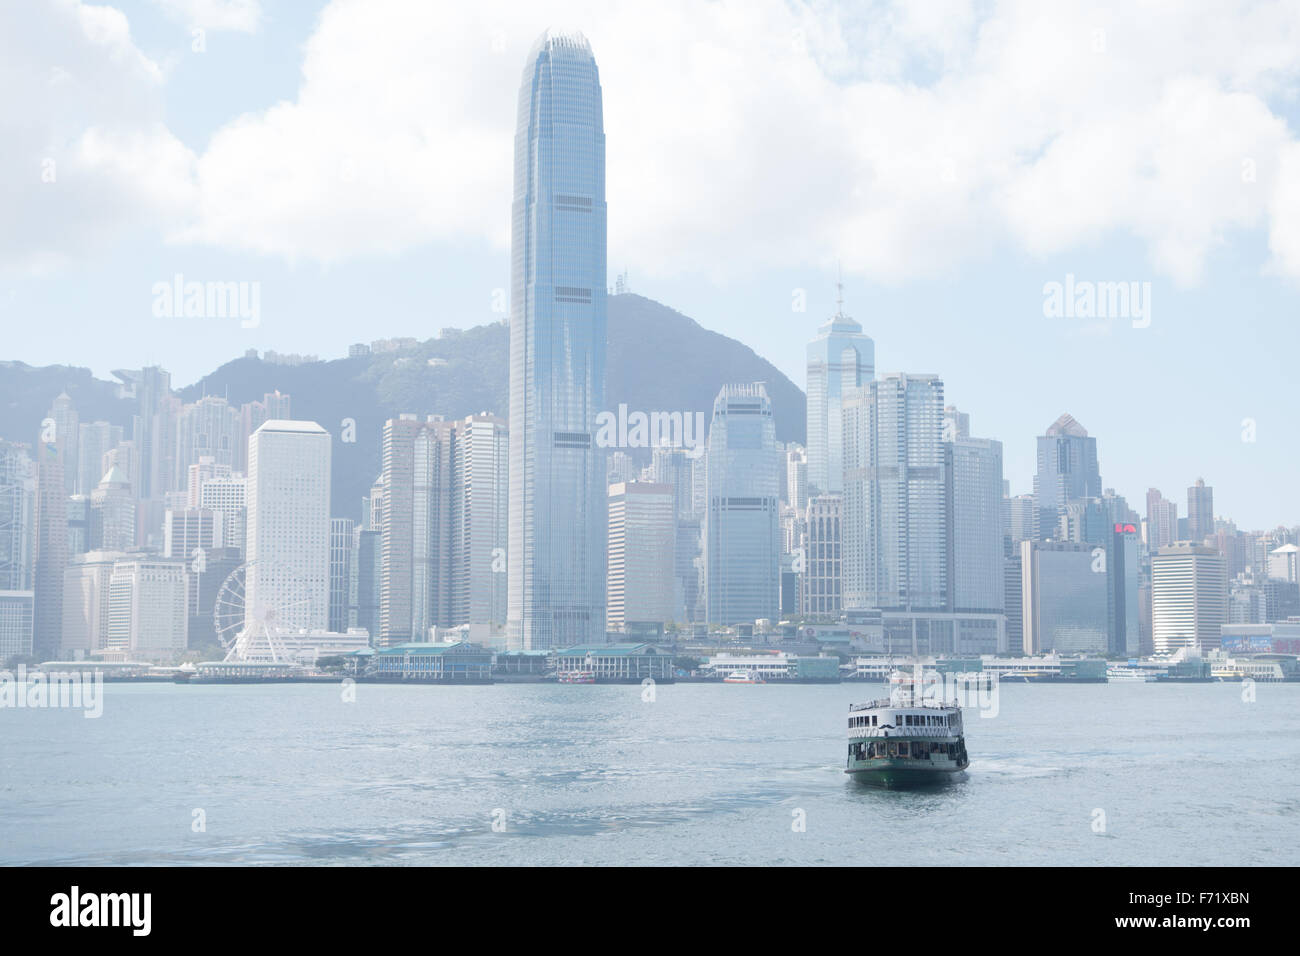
905	741
742	677
577	677
1127	673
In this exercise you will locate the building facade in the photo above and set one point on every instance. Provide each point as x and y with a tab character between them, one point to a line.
557	563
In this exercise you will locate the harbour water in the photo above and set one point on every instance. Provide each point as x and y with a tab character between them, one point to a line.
542	774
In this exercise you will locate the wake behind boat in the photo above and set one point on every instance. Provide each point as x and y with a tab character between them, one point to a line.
905	741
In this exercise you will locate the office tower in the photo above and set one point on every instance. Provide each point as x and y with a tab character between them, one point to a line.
556	569
148	608
1013	599
822	577
1122	568
85	602
206	469
17	516
742	546
49	552
796	478
895	511
16	621
1021	521
154	430
1200	511
341	535
288	538
481	529
1067	470
228	497
273	406
79	525
677	467
1084	521
17	534
94	441
1117	509
1284	563
1064	598
619	467
206	432
62	428
956	424
363	591
1189	597
973	473
642	543
1162	521
417	529
112	514
840	358
192	530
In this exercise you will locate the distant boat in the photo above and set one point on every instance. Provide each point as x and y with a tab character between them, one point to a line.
1125	673
576	677
742	677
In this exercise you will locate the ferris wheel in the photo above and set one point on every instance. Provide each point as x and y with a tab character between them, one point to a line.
264	632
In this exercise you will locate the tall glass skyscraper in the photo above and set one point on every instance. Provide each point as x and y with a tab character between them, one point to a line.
742	540
1067	471
556	558
839	359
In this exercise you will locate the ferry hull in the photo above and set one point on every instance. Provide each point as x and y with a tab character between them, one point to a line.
903	778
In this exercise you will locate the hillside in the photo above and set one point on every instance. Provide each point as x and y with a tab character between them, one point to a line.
658	360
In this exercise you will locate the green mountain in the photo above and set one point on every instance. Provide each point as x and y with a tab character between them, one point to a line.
657	360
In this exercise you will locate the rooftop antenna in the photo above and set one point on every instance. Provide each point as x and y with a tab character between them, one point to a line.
839	285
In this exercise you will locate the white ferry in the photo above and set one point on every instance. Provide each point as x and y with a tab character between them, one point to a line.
743	677
576	677
905	740
1128	673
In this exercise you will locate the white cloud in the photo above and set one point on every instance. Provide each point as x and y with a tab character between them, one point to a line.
86	150
242	16
904	139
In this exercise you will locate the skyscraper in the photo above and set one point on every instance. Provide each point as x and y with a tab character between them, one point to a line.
416	529
1067	471
1200	511
288	544
742	540
642	544
973	471
556	556
49	552
1065	598
1162	521
1189	597
840	358
895	512
481	496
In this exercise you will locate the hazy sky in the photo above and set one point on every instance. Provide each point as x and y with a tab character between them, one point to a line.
354	159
